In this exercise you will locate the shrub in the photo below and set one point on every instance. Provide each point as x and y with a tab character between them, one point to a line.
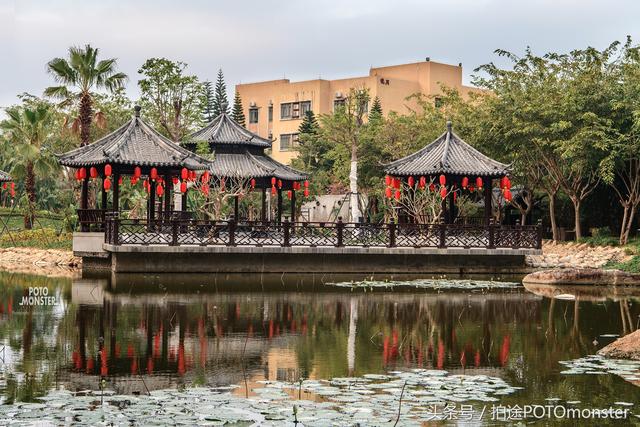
44	238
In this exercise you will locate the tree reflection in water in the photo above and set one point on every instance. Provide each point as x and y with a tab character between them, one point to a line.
151	340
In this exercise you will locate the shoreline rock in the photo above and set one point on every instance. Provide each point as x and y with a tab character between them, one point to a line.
582	276
575	255
626	347
50	262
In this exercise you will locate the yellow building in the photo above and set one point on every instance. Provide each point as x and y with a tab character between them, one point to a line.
275	108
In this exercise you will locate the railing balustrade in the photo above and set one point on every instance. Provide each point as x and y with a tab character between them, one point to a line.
179	232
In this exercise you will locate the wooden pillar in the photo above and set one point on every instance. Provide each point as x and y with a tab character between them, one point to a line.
152	200
116	192
444	217
84	194
167	195
184	199
293	205
452	208
487	201
279	215
264	205
236	200
103	201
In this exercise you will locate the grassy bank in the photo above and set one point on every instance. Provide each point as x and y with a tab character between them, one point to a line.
45	238
631	248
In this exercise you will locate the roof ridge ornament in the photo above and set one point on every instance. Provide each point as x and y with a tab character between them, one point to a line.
447	143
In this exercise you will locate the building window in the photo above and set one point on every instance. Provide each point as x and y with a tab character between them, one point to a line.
285	111
294	110
270	113
253	115
288	141
304	107
338	103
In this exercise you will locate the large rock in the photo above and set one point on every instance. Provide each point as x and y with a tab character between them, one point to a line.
582	276
627	347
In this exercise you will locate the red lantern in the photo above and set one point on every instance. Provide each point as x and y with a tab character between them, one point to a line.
13	193
120	180
154	173
93	172
205	189
205	176
273	190
106	184
423	182
13	186
4	185
387	180
443	192
411	181
432	187
273	180
83	173
465	182
133	180
306	192
507	195
443	180
253	183
289	194
107	170
306	184
184	174
396	183
183	187
159	190
77	175
507	183
174	180
398	194
479	183
192	175
387	192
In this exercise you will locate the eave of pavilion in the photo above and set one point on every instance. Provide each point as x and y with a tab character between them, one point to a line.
448	155
135	144
5	177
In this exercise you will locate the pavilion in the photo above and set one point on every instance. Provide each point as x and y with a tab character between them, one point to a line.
454	164
134	149
239	154
5	177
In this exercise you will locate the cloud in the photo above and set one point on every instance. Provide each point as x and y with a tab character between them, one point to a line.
266	39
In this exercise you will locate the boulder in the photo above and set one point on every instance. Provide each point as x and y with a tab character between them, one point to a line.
626	347
582	276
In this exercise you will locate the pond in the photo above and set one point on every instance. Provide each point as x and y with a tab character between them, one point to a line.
210	351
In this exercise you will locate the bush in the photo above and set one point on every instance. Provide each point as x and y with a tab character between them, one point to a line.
44	238
600	232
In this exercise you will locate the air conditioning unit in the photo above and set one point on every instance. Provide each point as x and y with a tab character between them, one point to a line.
252	104
339	95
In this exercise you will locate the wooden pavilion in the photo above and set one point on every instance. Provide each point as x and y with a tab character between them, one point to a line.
452	163
239	154
138	150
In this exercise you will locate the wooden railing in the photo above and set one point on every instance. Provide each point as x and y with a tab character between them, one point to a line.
177	232
91	219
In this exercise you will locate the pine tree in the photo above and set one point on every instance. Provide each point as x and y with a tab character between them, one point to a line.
309	125
376	110
238	113
220	103
207	113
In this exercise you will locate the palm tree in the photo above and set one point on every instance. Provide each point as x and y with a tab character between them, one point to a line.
27	128
78	76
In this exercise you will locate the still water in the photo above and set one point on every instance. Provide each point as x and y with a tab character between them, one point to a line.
134	335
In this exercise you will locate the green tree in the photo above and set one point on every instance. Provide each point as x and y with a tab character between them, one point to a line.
220	103
79	76
238	111
172	100
28	127
309	125
209	102
376	110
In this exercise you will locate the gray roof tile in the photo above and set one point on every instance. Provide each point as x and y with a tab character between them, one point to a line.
224	130
135	143
448	154
5	177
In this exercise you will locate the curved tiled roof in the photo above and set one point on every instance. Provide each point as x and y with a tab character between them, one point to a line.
248	165
448	154
224	130
5	177
135	143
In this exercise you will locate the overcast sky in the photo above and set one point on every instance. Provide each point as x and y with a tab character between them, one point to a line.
304	39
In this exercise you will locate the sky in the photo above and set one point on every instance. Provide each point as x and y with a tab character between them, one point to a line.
300	40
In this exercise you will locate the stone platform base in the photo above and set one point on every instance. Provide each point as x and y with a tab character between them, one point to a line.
210	259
